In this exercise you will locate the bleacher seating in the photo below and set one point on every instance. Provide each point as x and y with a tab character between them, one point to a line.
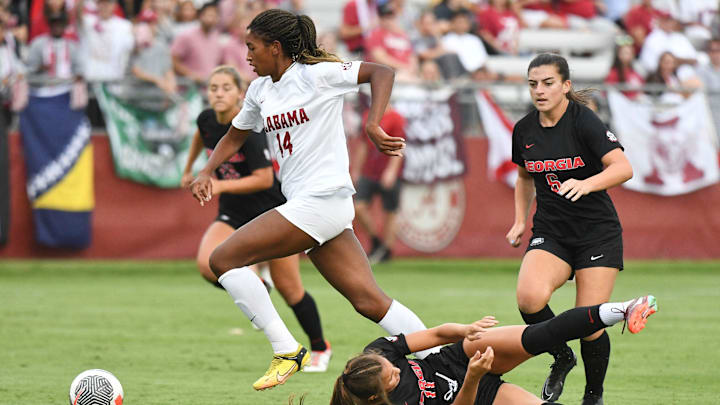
574	45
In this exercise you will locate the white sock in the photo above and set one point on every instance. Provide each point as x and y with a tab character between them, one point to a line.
251	296
399	319
613	312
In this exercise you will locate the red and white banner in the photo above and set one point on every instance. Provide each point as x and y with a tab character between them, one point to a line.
498	129
673	150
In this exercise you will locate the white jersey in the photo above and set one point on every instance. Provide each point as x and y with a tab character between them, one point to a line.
302	115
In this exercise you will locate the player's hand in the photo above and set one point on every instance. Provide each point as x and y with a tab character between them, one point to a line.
480	363
573	189
389	145
201	188
186	180
475	330
514	235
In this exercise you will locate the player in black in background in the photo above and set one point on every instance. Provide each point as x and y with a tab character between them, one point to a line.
247	187
468	371
568	158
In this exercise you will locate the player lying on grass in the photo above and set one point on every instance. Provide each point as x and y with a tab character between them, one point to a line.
468	370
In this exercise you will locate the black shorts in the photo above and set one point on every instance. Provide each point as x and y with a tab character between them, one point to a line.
232	218
454	361
367	188
605	253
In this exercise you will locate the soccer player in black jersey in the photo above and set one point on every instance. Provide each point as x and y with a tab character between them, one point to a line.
247	187
469	370
567	158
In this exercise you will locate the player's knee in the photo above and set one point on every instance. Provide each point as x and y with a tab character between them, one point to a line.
532	300
220	261
369	308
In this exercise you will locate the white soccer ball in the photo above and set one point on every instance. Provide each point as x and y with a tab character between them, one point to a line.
96	387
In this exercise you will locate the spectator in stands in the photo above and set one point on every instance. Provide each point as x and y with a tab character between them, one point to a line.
15	14
467	46
667	38
185	16
390	45
359	19
499	24
428	46
622	71
541	14
165	20
106	40
446	9
640	21
54	60
11	72
152	61
696	18
710	77
430	72
678	79
582	14
197	51
38	22
615	10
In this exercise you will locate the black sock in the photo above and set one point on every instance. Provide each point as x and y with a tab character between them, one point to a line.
571	324
376	243
307	314
596	356
539	316
218	285
543	315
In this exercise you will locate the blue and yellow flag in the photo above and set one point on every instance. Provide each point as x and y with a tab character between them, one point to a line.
59	162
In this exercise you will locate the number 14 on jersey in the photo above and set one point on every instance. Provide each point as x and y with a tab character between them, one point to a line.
285	145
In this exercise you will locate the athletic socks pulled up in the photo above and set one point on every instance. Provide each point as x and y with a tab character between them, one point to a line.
308	316
399	319
596	356
251	296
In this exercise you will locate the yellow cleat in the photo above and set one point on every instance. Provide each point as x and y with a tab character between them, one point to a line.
282	367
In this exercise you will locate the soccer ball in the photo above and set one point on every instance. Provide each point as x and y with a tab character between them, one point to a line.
96	387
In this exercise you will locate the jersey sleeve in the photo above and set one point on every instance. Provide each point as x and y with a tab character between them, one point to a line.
595	134
391	347
255	150
516	150
249	116
337	78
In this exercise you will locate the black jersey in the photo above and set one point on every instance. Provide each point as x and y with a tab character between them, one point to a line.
251	156
435	380
573	148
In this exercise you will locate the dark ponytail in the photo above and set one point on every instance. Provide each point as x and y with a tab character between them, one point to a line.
581	96
296	34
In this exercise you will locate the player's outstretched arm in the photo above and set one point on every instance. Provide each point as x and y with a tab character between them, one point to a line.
196	146
448	333
228	145
381	80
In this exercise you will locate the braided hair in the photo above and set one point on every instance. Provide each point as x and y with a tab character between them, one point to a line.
360	381
296	34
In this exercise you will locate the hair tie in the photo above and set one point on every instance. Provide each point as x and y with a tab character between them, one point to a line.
344	378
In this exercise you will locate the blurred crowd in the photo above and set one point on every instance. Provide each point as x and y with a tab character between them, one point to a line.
62	44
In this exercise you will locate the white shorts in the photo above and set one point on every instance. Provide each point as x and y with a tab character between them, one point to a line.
321	217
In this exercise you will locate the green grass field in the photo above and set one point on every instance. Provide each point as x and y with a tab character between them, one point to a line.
166	334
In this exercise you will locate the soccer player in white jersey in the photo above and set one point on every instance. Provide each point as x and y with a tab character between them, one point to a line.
298	101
